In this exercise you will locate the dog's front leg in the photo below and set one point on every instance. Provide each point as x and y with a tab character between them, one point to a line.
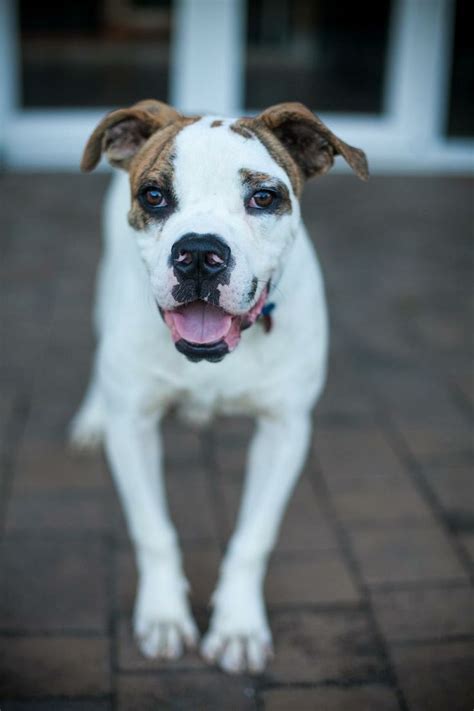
239	636
162	617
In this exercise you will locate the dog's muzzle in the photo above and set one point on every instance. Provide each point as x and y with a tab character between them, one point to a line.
202	331
200	328
202	264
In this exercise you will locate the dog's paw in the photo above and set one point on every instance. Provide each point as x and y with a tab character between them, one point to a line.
163	624
86	431
237	652
158	638
239	638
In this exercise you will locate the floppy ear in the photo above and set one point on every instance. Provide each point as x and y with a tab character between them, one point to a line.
121	133
309	141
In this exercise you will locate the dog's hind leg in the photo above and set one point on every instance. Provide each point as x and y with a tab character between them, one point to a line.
239	637
86	430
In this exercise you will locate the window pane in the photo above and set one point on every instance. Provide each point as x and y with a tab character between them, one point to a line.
94	53
329	55
461	113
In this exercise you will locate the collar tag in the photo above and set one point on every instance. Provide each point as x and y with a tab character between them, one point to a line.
266	316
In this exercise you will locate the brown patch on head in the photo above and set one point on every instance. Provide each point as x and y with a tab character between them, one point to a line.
153	165
254	181
252	128
280	155
241	129
216	123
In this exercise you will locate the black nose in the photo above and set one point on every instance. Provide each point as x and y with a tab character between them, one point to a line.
199	255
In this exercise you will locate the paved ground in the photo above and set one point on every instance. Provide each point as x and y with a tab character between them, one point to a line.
369	589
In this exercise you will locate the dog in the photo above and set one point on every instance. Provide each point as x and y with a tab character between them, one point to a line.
209	298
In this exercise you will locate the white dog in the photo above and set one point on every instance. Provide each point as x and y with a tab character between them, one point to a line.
203	238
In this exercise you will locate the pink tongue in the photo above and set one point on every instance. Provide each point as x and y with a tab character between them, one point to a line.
200	322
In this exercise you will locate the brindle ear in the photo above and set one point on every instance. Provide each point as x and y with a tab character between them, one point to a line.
309	141
121	133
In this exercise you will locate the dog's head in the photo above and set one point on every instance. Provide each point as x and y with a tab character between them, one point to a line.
215	203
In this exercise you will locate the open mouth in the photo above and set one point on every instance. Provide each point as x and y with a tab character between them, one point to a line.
201	330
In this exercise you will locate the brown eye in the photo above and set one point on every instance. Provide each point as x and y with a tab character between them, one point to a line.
153	197
262	199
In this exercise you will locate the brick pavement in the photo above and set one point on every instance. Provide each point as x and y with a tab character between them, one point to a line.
369	588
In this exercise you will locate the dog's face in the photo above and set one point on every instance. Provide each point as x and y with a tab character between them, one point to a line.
215	203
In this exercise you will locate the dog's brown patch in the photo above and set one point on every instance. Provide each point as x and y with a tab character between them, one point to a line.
253	128
261	181
241	129
154	163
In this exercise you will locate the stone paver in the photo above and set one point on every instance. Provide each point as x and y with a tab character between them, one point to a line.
52	585
418	554
453	487
186	692
44	511
367	481
315	577
369	591
59	666
334	646
48	465
436	676
364	698
422	614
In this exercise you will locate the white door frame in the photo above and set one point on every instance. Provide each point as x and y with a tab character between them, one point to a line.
209	42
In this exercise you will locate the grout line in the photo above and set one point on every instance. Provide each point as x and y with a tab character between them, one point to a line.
461	401
407	586
440	641
62	633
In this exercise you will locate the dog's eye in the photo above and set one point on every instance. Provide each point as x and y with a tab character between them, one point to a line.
262	199
153	197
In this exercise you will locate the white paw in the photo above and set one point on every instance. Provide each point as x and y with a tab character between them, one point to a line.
160	639
163	629
86	431
237	653
239	638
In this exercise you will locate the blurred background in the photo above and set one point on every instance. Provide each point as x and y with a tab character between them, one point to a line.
394	76
370	587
